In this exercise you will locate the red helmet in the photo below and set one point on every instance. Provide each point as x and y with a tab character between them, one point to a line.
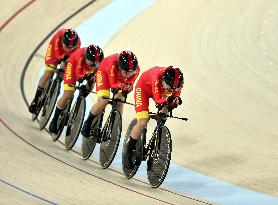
70	38
173	78
127	61
93	55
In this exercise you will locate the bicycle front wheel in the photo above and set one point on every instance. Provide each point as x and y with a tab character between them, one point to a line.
111	136
49	104
159	159
75	122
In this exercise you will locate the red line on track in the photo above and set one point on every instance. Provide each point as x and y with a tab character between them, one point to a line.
70	165
15	14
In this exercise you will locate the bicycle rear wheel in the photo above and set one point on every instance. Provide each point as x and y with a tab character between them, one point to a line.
38	109
159	162
61	122
137	155
41	101
111	136
75	122
88	144
49	104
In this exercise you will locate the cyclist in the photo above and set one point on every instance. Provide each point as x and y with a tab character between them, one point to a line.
83	62
164	85
118	71
62	44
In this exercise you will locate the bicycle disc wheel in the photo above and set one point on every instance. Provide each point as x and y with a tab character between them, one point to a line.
61	122
137	156
88	144
111	139
49	104
158	163
75	123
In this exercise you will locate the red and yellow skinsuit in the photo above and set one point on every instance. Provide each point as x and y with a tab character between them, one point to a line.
148	86
76	68
109	76
56	52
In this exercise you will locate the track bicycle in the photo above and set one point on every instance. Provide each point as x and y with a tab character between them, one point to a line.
108	136
157	152
47	100
73	117
77	113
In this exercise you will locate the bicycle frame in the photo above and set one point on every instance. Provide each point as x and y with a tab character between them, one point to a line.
113	102
154	142
54	81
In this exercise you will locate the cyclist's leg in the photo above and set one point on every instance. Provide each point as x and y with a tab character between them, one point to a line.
69	83
50	66
48	73
141	99
103	89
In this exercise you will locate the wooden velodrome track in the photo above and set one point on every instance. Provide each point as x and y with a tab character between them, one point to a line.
228	50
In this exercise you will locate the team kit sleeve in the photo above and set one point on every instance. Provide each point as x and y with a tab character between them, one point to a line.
70	75
112	75
156	91
58	50
50	59
102	84
177	93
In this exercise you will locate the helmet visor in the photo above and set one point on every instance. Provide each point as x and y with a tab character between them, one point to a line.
171	89
69	48
127	73
92	64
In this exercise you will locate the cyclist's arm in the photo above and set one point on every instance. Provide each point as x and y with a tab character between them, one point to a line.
132	79
177	93
58	51
156	91
112	77
70	68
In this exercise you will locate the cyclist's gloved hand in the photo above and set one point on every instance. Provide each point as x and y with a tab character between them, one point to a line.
65	58
159	106
80	80
178	100
89	76
129	88
89	86
170	99
125	87
114	91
